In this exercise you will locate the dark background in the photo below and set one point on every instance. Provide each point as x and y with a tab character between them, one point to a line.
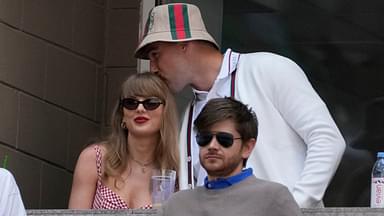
339	44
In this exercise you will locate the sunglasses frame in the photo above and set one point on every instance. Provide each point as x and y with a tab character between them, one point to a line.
147	103
220	136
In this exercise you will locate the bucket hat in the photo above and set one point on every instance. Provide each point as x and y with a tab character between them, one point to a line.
173	23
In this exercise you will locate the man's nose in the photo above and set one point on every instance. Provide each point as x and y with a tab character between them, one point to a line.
213	144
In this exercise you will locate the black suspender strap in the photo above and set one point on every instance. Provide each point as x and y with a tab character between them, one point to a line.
189	131
189	146
233	80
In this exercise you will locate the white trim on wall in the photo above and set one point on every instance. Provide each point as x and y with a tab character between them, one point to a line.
145	7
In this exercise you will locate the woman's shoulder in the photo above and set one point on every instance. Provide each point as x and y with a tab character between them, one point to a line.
89	153
93	148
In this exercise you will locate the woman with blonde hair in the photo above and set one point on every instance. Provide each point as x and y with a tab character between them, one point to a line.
116	173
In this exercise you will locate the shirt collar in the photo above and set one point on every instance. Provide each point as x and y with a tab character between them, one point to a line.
229	64
221	183
200	95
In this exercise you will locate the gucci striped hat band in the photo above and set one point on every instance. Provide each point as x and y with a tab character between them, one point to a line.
173	23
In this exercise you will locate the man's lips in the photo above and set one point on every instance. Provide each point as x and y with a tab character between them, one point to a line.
212	156
141	119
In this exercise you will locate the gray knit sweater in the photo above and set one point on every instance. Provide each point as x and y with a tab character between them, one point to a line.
251	196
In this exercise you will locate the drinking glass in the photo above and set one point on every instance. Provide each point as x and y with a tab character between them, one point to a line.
162	186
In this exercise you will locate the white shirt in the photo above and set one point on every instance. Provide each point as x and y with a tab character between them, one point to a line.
221	88
11	203
299	144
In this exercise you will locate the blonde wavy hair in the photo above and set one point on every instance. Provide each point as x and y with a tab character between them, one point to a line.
166	152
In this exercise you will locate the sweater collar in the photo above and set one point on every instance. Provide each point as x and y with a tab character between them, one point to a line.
221	183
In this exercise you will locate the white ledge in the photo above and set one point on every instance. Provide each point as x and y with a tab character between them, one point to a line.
151	212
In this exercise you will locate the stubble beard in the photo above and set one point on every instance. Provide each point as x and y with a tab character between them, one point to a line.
226	169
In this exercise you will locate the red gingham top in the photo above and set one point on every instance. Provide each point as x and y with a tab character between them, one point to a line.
105	198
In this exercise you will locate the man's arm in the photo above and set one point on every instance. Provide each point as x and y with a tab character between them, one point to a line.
289	103
308	115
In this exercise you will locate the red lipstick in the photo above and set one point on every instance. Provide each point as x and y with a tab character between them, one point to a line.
141	119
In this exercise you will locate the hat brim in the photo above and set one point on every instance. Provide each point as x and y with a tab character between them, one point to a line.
142	53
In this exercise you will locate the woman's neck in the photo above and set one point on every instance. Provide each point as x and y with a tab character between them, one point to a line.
142	148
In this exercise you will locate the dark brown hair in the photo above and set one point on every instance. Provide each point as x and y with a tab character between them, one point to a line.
221	109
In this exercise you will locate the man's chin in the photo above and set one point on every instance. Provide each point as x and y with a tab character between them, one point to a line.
212	168
175	89
179	87
169	84
216	173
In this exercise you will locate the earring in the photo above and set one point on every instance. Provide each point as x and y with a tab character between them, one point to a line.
123	125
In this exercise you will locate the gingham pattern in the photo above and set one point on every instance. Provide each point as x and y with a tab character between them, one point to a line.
105	198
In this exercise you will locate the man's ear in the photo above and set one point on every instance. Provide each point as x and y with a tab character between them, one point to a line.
248	147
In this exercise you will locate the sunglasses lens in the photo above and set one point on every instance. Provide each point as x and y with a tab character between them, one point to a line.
225	139
130	103
203	139
151	104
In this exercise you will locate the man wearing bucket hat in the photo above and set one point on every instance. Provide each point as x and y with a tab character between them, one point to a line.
299	144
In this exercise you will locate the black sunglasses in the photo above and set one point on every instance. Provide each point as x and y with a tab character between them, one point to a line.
149	104
225	139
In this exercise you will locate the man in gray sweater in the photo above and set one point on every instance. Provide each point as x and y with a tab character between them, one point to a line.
226	133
